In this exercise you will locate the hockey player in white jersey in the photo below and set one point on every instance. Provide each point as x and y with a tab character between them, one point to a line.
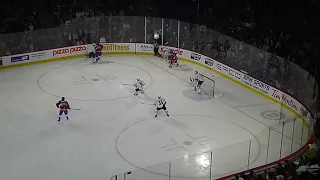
200	79
166	53
161	105
139	84
92	52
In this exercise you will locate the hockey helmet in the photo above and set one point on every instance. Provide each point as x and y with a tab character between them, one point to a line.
156	36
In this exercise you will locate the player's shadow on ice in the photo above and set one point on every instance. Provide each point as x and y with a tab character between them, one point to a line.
205	95
182	67
105	62
89	62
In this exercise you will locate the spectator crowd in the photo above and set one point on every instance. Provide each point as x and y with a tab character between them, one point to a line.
288	29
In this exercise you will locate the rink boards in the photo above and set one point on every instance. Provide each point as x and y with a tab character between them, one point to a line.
237	76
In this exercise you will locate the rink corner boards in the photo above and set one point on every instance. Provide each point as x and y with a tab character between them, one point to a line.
301	118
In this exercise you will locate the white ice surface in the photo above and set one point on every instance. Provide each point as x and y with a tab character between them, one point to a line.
115	133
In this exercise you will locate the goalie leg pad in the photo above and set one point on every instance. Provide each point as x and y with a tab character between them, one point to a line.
136	91
199	83
141	90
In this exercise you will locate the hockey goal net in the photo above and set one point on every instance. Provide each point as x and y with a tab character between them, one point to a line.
209	85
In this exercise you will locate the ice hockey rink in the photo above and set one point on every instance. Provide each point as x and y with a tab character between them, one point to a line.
114	133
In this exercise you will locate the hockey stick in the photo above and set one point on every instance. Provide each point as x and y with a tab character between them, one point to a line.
146	103
75	109
126	84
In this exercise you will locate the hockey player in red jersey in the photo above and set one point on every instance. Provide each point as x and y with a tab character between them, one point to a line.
63	105
173	59
99	48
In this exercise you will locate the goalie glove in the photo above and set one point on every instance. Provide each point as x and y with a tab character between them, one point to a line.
193	79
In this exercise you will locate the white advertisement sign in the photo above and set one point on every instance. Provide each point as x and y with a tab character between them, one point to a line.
25	58
209	62
234	74
144	48
256	84
118	47
40	55
69	51
195	56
